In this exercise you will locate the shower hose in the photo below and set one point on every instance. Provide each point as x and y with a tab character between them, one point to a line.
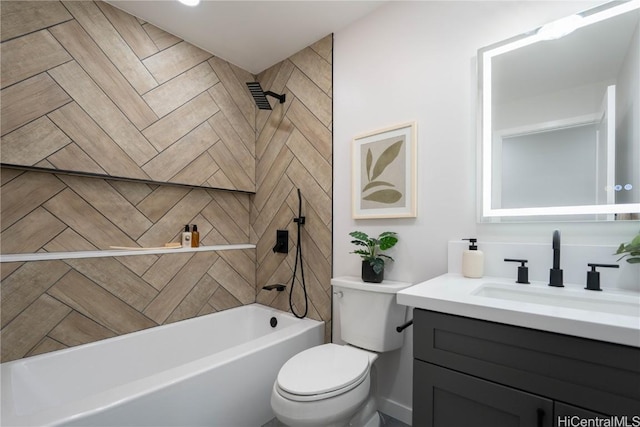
300	221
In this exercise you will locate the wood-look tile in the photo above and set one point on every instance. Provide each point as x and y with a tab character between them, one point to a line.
236	205
26	284
86	220
46	345
100	68
275	172
281	221
312	160
165	268
222	299
198	171
324	48
134	192
117	279
76	329
317	230
220	180
7	174
175	291
91	300
232	168
317	101
311	128
106	114
278	85
160	201
175	60
27	56
195	300
271	149
172	222
311	190
69	241
76	123
29	100
233	282
160	38
224	223
242	262
314	67
31	232
207	309
23	17
275	122
170	161
273	204
139	264
237	88
72	158
229	108
106	200
24	194
244	155
32	142
112	44
181	121
172	94
130	29
33	324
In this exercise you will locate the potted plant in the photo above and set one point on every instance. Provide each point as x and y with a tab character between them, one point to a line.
631	250
370	251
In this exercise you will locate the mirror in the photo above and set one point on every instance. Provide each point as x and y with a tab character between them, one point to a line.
560	120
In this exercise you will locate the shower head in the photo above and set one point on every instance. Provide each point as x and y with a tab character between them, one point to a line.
260	96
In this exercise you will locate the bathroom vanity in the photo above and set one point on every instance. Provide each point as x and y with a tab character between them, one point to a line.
492	359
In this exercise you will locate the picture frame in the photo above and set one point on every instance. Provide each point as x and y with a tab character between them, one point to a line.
384	173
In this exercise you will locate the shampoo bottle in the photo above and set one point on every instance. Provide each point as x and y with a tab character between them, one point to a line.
195	236
186	237
472	261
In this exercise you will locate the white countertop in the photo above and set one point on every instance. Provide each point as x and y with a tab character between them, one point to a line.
454	294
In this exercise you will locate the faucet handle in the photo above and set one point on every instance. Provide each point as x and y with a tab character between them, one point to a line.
523	270
593	276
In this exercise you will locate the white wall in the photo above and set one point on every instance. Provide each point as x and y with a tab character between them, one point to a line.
416	61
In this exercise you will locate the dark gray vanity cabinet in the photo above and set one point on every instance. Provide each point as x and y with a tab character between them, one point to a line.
470	372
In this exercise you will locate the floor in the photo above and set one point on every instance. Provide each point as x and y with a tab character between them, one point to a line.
387	421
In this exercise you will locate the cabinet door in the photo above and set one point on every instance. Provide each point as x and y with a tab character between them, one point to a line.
446	398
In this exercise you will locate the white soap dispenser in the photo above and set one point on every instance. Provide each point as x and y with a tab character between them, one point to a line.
472	261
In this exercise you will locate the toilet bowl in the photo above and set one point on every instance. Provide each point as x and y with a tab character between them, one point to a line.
327	386
333	385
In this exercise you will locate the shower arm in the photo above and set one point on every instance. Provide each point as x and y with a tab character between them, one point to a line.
280	98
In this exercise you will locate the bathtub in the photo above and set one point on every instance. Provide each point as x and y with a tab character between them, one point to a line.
214	370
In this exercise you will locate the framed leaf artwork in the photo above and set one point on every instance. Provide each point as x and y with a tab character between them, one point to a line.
384	173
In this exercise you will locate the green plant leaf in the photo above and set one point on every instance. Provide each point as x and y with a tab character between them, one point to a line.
359	235
384	196
376	184
388	242
385	159
369	162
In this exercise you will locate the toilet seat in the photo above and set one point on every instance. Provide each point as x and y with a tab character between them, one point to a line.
322	372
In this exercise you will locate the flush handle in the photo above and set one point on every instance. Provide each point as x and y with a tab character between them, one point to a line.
338	294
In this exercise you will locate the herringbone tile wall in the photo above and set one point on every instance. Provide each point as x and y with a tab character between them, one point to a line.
294	151
47	305
89	88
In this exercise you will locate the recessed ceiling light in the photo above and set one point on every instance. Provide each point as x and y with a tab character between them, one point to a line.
190	2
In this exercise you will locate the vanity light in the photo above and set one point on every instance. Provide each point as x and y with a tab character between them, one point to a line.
190	2
560	28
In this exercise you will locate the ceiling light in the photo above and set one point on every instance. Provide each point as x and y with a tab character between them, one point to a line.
190	2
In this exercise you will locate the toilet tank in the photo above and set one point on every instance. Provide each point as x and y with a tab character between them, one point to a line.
369	313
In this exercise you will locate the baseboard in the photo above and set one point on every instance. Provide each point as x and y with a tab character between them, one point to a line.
396	410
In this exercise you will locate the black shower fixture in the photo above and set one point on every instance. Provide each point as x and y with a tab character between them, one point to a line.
260	96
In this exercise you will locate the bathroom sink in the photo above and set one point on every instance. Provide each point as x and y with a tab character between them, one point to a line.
579	299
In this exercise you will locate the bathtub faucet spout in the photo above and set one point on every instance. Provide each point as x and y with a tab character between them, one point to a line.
278	287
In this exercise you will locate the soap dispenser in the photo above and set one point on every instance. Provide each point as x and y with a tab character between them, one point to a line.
186	237
472	261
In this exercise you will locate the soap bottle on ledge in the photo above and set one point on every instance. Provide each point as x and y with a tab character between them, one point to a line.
186	237
195	236
472	261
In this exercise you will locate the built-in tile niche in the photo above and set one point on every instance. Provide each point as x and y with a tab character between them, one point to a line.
89	88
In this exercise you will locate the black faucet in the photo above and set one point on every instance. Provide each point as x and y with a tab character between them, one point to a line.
555	274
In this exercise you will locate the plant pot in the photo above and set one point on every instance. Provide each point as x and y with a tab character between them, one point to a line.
370	276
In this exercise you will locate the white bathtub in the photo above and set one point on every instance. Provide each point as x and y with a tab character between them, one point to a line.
214	370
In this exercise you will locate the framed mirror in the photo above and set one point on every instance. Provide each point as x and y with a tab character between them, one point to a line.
560	120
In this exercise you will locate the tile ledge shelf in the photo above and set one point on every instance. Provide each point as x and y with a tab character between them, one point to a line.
46	256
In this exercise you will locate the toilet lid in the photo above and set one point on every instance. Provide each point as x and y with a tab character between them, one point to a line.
323	369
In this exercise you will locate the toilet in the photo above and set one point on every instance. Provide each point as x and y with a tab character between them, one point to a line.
333	385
